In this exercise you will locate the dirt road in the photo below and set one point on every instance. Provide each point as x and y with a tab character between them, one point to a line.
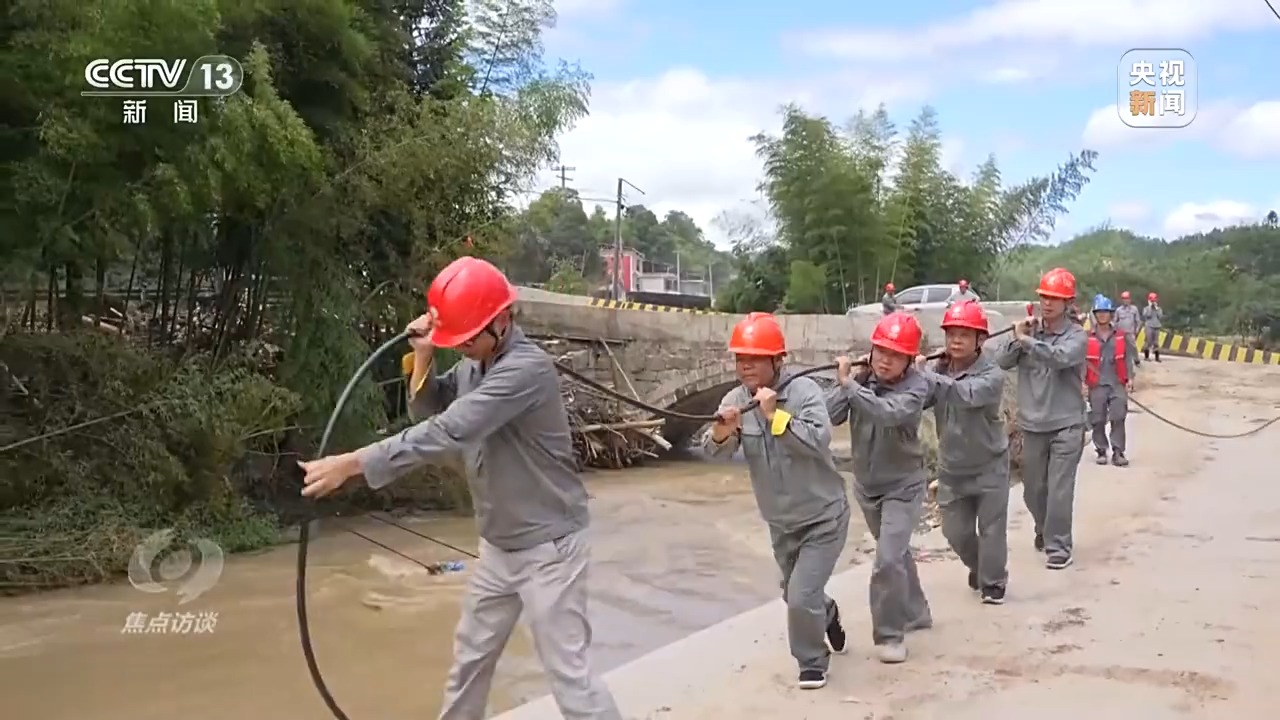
1170	611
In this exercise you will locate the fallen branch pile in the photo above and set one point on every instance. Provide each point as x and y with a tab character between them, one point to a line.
607	433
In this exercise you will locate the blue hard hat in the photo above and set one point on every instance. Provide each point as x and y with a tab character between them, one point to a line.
1103	303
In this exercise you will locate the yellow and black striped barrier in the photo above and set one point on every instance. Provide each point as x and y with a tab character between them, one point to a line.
1174	343
647	307
1213	350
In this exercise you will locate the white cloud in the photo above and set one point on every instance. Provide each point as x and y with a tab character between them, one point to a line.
579	8
1008	75
1105	129
684	138
1129	213
1037	22
1189	218
1255	133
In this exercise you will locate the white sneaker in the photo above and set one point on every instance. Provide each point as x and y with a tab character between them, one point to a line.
891	653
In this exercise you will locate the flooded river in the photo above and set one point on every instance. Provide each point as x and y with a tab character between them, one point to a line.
677	547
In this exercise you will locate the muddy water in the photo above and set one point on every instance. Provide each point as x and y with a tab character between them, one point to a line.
677	547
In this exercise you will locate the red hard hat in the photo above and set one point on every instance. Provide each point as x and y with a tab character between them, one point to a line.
1152	297
1058	283
964	284
899	332
1124	295
888	287
967	314
757	334
466	296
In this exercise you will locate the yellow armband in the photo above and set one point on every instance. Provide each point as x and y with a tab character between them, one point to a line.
780	419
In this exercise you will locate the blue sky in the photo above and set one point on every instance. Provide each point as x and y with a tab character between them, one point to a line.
679	87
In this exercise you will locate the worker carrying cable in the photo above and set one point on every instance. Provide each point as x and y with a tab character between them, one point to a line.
1109	367
973	450
500	408
801	495
883	404
1050	357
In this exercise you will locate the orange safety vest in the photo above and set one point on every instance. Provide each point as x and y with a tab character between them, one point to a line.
1093	359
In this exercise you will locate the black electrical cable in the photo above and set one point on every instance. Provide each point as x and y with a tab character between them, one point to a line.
304	534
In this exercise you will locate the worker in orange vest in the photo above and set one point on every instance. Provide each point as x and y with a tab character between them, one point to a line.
1108	375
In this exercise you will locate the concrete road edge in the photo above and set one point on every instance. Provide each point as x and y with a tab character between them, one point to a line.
688	668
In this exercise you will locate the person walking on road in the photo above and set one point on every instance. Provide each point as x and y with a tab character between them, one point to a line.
800	494
1050	358
1109	369
973	450
1128	319
962	293
500	408
1152	320
883	404
889	302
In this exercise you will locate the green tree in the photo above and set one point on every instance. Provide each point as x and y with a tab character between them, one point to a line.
841	208
244	264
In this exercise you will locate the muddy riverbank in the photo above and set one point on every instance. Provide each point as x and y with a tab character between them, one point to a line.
678	547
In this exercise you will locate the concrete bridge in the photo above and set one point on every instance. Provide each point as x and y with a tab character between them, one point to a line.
678	359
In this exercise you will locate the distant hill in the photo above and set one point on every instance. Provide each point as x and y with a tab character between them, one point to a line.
1225	282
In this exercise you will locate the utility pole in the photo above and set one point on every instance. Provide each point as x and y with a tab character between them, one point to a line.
564	175
617	240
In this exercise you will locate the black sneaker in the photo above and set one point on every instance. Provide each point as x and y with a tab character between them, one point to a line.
973	580
835	638
812	679
993	595
1102	457
1119	460
1039	542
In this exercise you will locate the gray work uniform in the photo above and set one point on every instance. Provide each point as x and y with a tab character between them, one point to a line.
959	296
973	455
802	499
889	303
1051	415
1109	399
509	425
889	484
1128	319
1152	320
